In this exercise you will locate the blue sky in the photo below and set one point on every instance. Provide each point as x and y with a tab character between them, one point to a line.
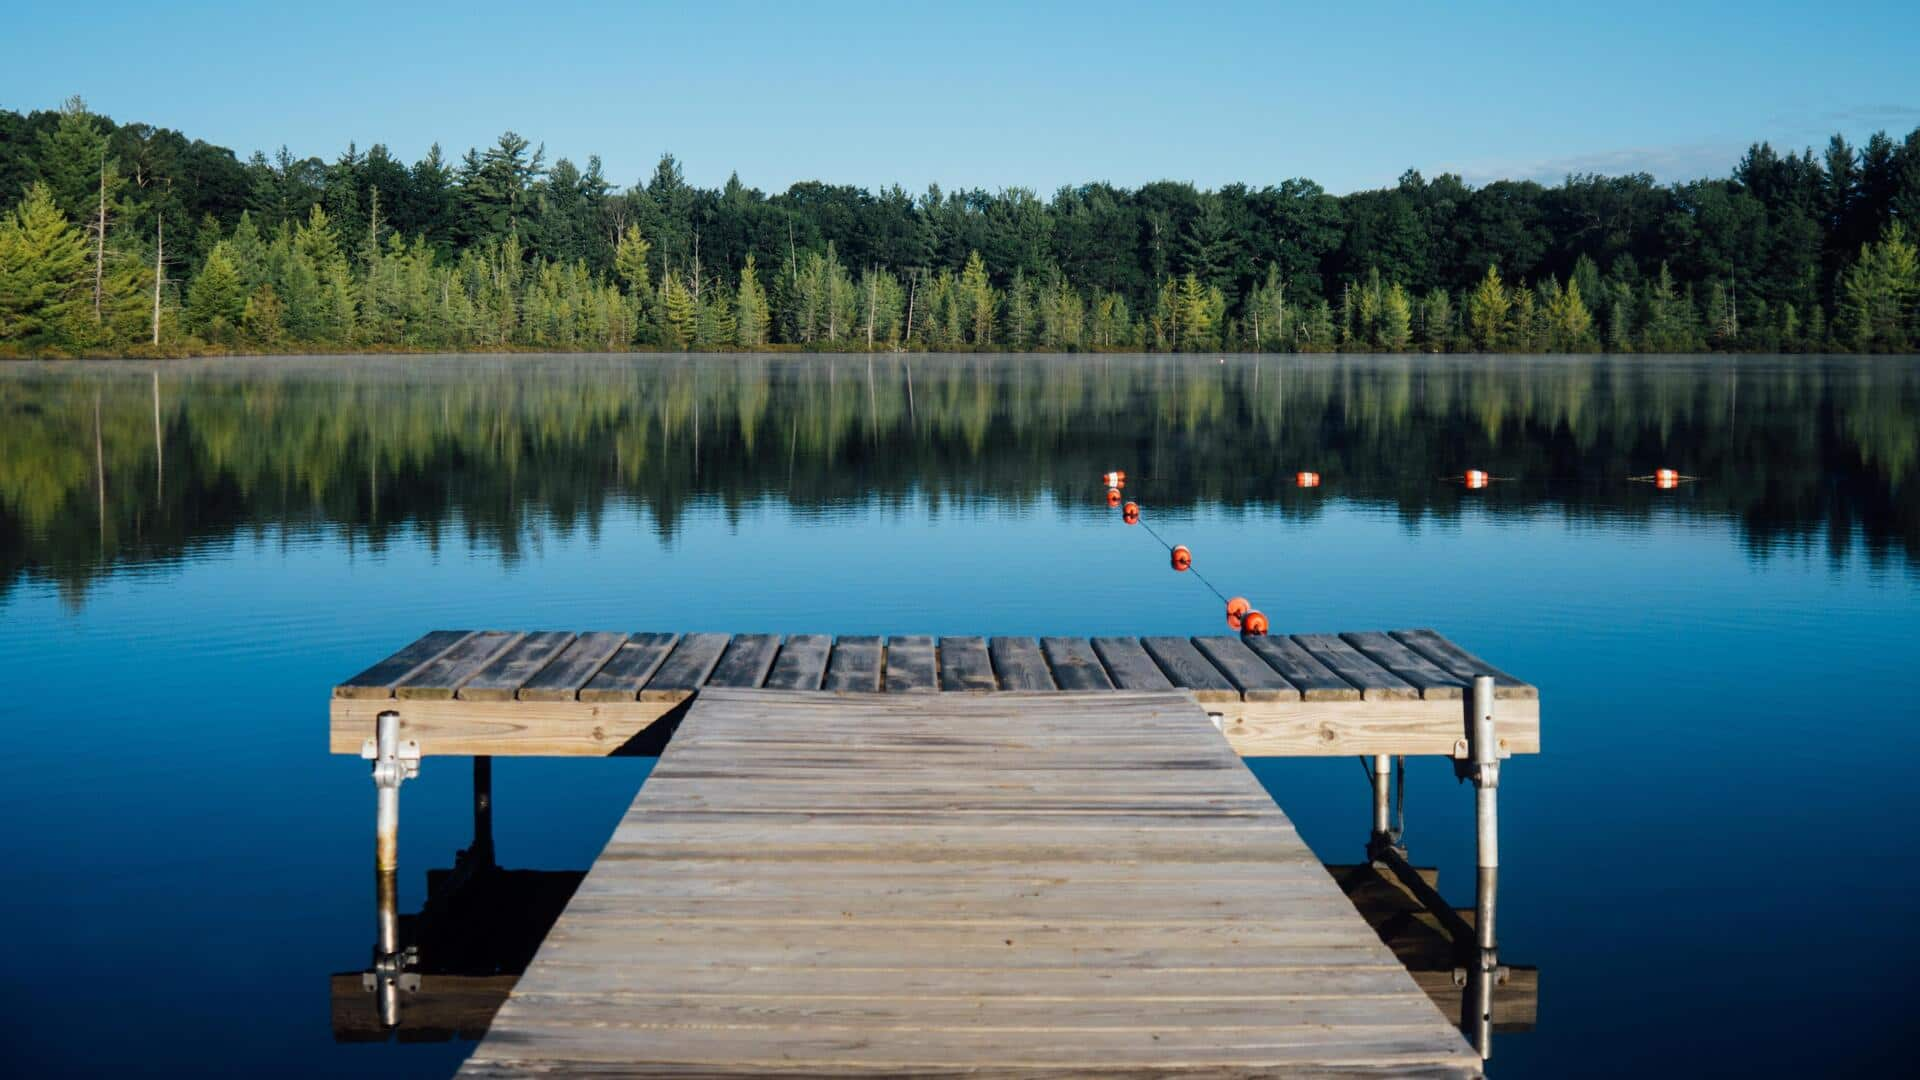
997	95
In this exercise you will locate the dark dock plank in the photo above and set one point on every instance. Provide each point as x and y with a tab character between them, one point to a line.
440	678
1314	680
965	665
379	680
1074	663
1018	664
1433	683
686	668
1253	677
854	667
745	663
1374	682
621	677
1189	670
910	665
1131	667
506	673
1462	664
572	669
801	664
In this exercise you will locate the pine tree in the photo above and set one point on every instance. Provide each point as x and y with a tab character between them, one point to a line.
217	299
749	309
630	261
263	320
1195	315
1436	320
1878	292
1396	319
677	312
44	277
1487	310
979	300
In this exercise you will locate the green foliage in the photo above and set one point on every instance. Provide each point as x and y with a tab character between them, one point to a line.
498	249
43	273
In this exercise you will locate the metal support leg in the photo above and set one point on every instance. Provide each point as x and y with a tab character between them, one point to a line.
1484	751
394	760
482	849
1383	843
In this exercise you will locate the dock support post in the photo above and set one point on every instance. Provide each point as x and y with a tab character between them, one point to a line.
1383	843
1484	748
394	761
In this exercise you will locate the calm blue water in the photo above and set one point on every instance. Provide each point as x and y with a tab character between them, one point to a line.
1710	865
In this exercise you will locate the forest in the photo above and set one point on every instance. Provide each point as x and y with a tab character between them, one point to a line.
131	239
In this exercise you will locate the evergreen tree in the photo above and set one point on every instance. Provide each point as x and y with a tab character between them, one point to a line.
217	298
1879	290
1487	310
43	273
750	309
1396	319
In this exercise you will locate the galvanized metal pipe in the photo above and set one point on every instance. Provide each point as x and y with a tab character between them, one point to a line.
1485	756
387	775
1382	795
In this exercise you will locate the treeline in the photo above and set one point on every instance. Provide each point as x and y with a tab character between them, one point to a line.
132	239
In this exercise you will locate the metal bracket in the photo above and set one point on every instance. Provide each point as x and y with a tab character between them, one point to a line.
1501	974
1219	720
403	765
1463	749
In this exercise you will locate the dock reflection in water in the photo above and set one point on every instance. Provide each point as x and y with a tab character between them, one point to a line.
443	973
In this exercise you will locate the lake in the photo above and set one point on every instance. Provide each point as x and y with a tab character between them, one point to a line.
192	553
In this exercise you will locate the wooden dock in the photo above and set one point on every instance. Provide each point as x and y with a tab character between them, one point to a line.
1010	883
503	693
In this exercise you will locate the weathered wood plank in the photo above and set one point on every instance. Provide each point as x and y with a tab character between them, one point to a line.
503	676
686	668
802	663
1189	670
1314	680
1074	664
910	665
1374	682
621	677
1018	664
854	667
965	665
379	680
1253	677
746	661
1462	664
572	669
1131	667
856	916
1417	670
443	676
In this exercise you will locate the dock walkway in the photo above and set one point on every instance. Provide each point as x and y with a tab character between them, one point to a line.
1016	883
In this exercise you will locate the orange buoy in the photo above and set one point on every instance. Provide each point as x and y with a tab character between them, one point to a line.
1475	479
1306	479
1131	514
1115	479
1238	606
1253	623
1666	478
1182	558
1113	496
1233	622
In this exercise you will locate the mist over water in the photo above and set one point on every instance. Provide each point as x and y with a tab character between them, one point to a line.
192	553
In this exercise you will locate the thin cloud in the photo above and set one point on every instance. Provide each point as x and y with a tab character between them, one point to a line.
1667	164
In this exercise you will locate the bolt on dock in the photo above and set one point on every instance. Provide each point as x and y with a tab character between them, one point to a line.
1007	856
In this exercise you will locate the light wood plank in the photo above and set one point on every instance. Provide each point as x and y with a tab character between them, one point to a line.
845	917
379	680
965	665
621	678
503	676
1018	665
1131	667
1253	677
1074	664
746	662
573	669
911	668
802	663
855	666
